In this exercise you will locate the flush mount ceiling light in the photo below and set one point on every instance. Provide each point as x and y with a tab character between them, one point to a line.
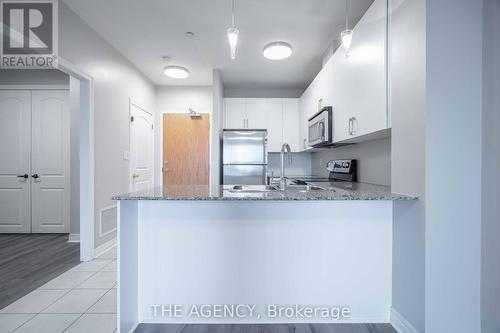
277	50
232	34
346	35
176	72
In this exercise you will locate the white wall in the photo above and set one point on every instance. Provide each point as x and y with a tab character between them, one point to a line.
115	81
453	166
33	76
490	271
178	99
407	106
373	158
217	124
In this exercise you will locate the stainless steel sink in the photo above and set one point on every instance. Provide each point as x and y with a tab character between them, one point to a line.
304	188
253	188
273	188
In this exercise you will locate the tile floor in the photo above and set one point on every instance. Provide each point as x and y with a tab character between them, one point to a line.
82	299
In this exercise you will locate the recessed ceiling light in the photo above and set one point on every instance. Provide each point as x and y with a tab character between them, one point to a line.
277	50
176	72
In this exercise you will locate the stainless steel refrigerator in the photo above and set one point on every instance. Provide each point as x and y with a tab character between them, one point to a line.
244	157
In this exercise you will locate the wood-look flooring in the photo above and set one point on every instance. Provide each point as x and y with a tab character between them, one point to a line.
266	328
28	261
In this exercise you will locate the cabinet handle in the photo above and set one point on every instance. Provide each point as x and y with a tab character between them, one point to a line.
35	176
25	176
354	120
350	126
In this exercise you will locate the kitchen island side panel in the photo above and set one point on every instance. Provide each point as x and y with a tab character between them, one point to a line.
315	253
127	265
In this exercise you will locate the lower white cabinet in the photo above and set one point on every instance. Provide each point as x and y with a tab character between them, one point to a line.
280	116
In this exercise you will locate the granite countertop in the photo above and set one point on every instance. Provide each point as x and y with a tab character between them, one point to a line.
334	191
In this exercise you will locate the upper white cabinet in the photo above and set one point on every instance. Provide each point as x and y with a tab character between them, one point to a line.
355	87
274	124
256	113
235	113
291	123
280	116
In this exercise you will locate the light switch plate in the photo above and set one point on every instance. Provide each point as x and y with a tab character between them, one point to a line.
126	155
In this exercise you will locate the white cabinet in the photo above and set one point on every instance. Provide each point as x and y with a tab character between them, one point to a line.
274	124
235	113
291	123
256	113
355	87
280	116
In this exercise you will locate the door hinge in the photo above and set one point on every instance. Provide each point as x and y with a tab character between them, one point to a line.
131	118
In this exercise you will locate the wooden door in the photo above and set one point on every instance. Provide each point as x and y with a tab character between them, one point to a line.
141	148
15	142
50	158
185	149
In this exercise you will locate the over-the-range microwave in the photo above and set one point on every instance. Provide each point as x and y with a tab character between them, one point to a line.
320	128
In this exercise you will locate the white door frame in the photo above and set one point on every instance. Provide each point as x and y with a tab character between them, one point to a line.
86	157
131	103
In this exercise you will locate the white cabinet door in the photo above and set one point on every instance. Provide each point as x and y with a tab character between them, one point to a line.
15	142
256	113
367	77
291	125
141	149
50	153
235	113
274	124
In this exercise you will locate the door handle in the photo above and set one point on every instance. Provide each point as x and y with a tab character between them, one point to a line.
25	176
35	176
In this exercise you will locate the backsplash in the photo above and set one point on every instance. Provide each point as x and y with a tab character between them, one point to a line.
374	160
301	164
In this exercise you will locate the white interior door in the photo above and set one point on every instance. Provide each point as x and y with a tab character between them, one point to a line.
141	148
50	158
15	142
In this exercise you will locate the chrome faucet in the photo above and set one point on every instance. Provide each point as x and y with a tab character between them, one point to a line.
285	149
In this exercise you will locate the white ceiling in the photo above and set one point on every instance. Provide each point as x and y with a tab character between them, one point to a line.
145	30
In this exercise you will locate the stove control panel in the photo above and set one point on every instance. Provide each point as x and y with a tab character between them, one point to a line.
342	169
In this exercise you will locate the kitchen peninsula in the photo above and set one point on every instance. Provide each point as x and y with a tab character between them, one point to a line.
184	246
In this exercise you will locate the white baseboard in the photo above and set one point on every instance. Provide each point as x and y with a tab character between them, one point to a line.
400	323
74	238
104	247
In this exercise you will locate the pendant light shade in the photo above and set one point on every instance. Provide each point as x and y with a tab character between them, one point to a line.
232	37
232	34
346	35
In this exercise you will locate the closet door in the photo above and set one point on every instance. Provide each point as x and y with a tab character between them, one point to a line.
50	156
15	142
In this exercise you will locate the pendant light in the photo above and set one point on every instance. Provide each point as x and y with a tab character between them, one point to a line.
232	34
346	35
